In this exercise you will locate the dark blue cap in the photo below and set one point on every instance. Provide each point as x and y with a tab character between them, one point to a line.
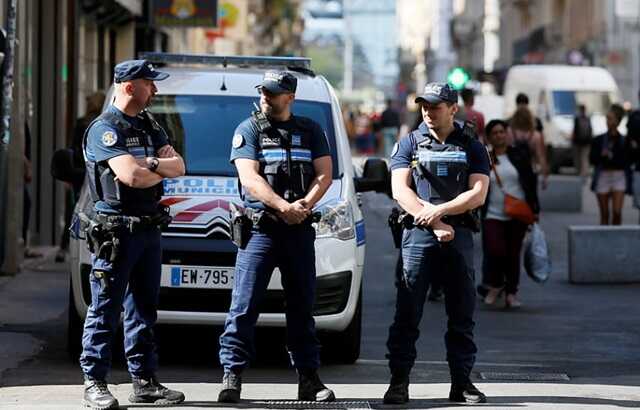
435	93
134	69
279	82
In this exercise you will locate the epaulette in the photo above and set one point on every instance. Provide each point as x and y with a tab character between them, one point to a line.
114	120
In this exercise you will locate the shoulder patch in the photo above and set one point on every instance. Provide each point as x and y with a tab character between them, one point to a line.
109	139
237	141
394	151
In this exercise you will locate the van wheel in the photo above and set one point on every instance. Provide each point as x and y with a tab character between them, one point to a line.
74	327
344	347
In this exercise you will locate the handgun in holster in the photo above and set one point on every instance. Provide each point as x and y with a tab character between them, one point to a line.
240	227
102	239
395	226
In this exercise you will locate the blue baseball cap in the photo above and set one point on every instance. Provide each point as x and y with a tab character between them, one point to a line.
134	69
279	82
435	93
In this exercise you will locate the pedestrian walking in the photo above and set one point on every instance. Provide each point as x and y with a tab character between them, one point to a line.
633	141
94	103
527	128
610	158
439	174
127	155
284	167
468	113
581	140
390	125
502	231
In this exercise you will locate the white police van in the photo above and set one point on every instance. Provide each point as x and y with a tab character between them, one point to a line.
200	106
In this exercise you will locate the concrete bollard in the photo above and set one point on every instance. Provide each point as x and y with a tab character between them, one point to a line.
604	254
563	194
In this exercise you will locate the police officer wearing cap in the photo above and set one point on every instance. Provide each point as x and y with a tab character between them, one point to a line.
127	156
284	168
440	172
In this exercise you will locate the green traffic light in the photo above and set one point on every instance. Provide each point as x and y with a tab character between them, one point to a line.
458	78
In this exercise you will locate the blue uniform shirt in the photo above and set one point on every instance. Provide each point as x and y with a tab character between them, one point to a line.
246	144
106	141
477	159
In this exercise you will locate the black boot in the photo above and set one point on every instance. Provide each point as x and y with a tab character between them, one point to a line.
231	387
97	395
398	391
310	388
466	393
148	390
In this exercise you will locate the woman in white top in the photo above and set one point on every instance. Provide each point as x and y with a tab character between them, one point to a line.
502	236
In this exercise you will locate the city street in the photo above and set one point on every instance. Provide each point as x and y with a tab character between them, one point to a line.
569	346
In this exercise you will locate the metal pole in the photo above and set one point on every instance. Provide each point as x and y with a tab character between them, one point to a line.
444	54
5	117
347	83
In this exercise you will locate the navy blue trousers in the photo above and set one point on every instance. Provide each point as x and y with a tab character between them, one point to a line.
424	262
134	284
291	249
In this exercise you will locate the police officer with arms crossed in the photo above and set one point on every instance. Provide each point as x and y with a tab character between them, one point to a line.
127	156
284	167
439	173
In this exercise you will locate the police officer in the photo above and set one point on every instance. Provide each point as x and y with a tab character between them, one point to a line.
127	156
284	167
439	173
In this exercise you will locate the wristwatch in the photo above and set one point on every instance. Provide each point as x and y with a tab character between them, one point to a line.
153	165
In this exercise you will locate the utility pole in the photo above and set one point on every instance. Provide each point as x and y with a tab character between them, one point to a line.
5	123
443	51
347	82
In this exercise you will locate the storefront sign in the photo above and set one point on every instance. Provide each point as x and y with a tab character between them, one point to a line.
185	13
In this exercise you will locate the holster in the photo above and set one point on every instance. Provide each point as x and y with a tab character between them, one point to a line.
240	227
102	237
395	226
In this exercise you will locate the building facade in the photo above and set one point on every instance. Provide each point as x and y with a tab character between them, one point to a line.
603	33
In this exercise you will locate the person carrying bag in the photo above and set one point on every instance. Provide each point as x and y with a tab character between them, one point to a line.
511	207
514	207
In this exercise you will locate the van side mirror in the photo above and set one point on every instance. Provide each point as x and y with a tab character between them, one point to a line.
62	167
375	177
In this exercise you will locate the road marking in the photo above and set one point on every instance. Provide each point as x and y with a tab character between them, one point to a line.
441	362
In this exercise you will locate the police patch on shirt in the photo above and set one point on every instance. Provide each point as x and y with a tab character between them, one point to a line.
394	151
237	141
109	139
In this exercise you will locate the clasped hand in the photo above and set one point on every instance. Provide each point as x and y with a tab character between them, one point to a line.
295	213
431	216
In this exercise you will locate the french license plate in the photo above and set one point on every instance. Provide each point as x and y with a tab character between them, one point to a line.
200	277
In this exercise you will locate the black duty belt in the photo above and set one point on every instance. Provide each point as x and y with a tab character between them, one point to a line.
130	222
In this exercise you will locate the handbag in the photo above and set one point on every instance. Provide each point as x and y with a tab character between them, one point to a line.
514	207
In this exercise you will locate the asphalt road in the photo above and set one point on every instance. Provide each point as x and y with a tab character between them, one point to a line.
587	335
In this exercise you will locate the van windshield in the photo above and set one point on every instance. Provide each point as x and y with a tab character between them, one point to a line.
566	102
201	127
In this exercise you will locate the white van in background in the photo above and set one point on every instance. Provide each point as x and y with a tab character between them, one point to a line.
554	93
